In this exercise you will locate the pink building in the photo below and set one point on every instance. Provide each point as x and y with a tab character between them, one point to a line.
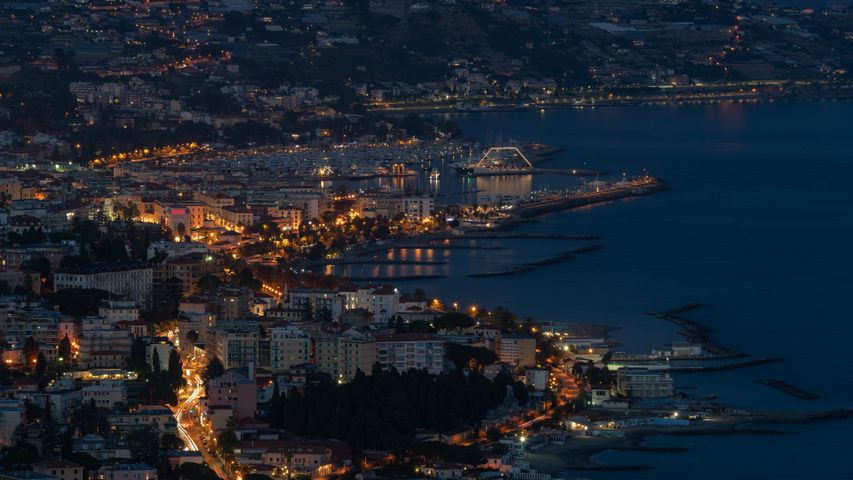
235	391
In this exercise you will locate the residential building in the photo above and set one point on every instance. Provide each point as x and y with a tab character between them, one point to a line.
128	471
289	346
114	310
517	350
406	351
11	416
235	391
235	344
133	281
59	469
105	393
644	383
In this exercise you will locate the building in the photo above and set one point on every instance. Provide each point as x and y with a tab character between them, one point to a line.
406	351
317	302
356	352
62	401
644	383
443	470
144	416
235	344
103	449
313	458
11	416
128	471
383	301
133	281
537	378
105	393
236	391
517	350
59	469
119	310
25	475
189	269
289	346
102	344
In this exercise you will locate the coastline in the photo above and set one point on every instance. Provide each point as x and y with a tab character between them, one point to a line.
678	96
577	454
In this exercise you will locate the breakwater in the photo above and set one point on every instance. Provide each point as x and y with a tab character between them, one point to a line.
514	236
534	209
789	389
696	332
395	278
529	266
727	366
375	261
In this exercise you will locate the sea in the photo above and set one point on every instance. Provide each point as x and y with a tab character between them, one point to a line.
757	225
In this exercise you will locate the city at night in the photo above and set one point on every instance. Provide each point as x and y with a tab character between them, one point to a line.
426	239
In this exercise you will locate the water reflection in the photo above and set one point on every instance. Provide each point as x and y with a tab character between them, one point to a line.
515	185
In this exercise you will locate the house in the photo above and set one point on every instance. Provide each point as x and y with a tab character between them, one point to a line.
144	416
101	448
443	470
128	471
25	475
59	469
598	395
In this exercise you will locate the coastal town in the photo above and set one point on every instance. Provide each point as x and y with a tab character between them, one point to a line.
174	316
219	220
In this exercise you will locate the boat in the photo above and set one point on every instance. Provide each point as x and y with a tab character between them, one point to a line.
434	175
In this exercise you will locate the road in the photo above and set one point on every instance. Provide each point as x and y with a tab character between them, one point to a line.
189	426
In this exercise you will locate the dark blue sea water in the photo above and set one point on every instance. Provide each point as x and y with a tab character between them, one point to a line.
757	224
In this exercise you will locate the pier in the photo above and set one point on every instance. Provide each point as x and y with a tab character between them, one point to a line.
635	189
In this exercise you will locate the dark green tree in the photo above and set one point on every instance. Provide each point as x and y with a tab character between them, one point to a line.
214	369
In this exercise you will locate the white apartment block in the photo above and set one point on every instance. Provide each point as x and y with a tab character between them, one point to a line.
131	281
105	393
289	346
408	351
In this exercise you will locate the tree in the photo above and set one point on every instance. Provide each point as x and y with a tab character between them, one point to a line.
31	351
454	321
275	406
170	441
155	364
176	370
227	442
214	369
467	356
41	367
138	359
209	282
195	471
79	302
64	350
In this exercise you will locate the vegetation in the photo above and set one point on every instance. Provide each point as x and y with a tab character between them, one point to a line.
384	409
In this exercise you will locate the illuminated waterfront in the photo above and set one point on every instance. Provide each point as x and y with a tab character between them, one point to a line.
756	225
